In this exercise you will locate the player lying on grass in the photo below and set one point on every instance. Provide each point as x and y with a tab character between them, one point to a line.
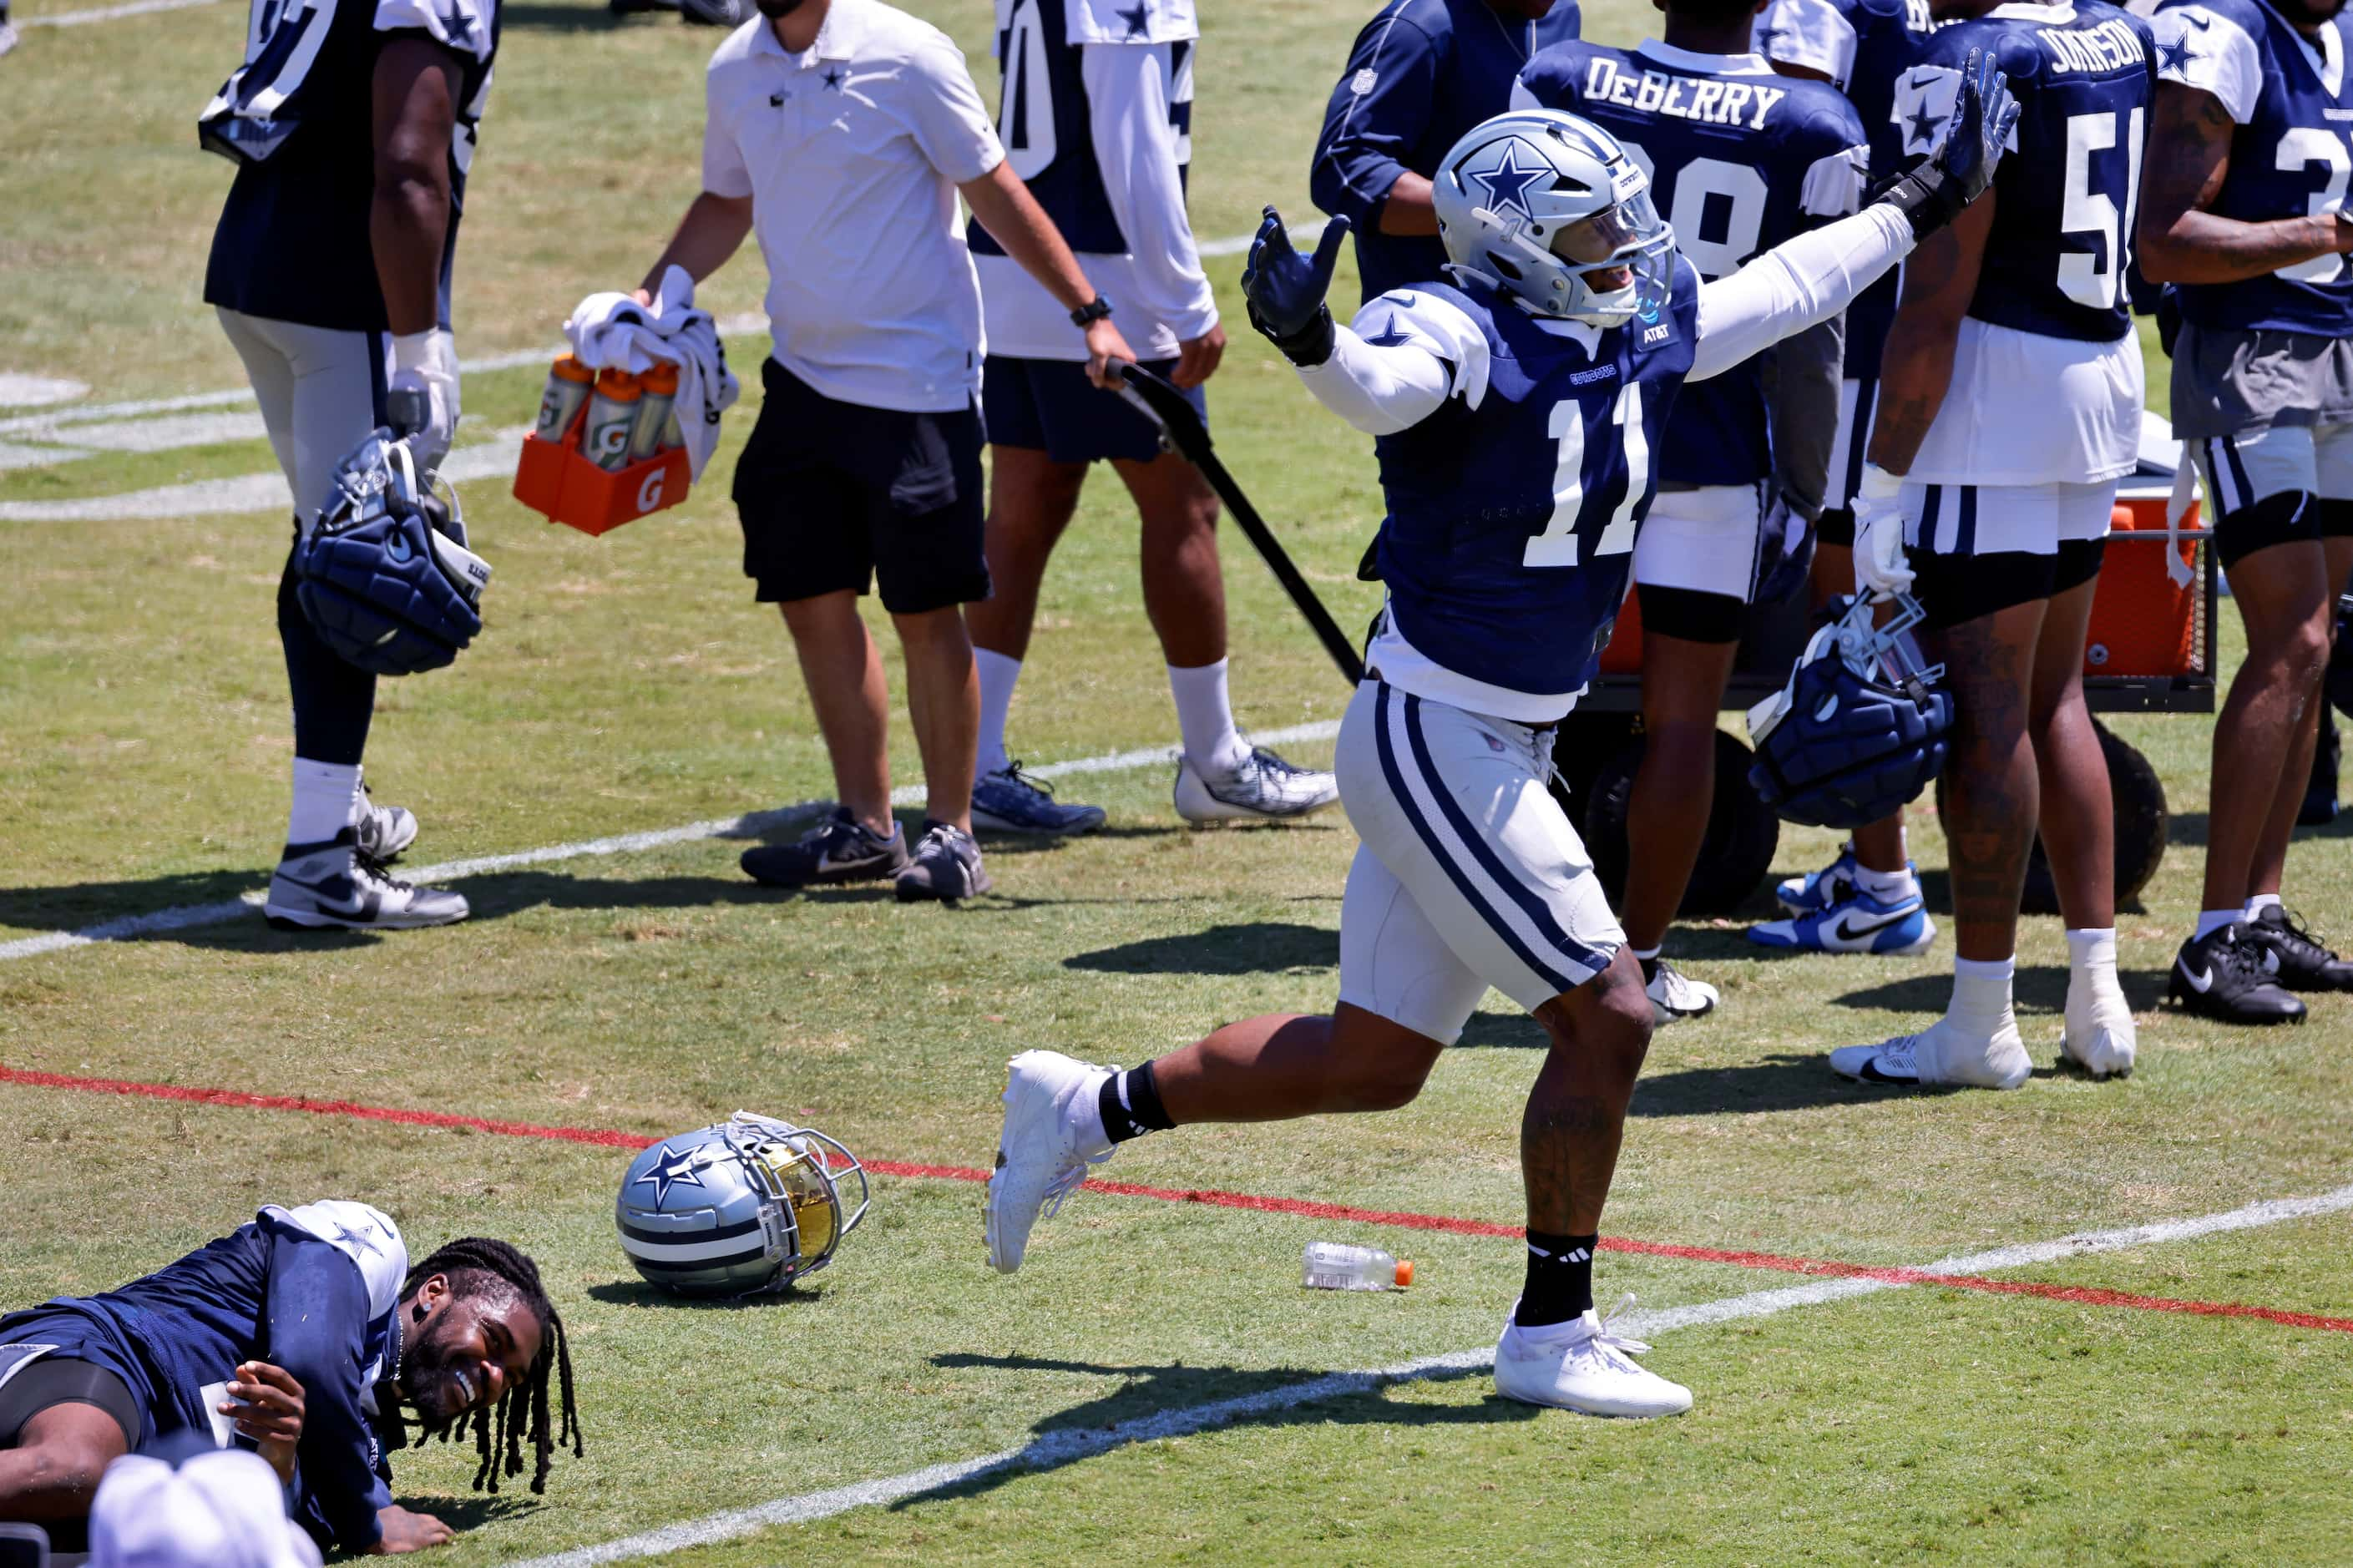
1516	411
303	1333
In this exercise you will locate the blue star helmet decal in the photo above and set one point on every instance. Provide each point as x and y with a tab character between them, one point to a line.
1135	16
1507	183
670	1170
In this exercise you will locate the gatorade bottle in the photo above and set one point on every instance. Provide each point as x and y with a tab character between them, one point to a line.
1337	1266
568	382
654	422
612	414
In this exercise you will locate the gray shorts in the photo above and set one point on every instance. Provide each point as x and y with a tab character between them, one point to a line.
320	390
2232	383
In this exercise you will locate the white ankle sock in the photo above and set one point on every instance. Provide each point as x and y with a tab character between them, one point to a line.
2212	920
1982	994
2092	956
998	674
1086	1115
2261	902
326	799
1888	887
1205	718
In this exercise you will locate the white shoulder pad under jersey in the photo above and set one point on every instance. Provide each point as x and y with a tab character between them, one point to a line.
366	1236
1415	318
2207	48
1131	21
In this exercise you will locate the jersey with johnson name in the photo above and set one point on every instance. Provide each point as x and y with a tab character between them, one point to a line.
2066	195
2291	151
1741	159
1513	509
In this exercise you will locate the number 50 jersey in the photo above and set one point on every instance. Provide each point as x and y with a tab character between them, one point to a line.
1513	509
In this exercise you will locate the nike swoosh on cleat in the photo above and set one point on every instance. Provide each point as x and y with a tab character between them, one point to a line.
1871	1074
2198	982
1846	931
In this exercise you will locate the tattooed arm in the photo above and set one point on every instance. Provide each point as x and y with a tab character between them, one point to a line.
1917	366
2178	242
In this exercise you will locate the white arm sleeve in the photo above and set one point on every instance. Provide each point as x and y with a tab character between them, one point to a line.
1136	150
1405	354
1792	286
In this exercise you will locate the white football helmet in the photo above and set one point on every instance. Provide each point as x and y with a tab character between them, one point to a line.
1544	206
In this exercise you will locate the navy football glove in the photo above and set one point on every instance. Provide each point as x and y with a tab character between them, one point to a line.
1286	290
1932	194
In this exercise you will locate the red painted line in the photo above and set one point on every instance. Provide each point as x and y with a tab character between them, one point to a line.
1304	1208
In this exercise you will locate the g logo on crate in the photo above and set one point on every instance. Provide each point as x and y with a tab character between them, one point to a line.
2096	655
650	493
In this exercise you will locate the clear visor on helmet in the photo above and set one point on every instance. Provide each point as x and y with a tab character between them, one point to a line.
1612	234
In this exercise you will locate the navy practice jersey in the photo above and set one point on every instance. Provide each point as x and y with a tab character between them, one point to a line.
293	241
313	1290
2065	197
1045	120
1864	46
2293	110
1740	159
1422	73
1511	523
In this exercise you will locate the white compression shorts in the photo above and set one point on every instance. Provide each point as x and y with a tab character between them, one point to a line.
320	390
1468	875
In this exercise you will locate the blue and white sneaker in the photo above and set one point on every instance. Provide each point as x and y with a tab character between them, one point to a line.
1010	801
1833	884
1857	924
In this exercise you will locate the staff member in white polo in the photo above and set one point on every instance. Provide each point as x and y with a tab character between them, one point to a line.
842	130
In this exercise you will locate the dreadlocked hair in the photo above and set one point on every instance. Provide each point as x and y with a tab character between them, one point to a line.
473	1262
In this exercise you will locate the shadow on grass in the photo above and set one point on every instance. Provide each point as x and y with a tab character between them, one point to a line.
2039	988
1155	1402
1271	947
584	17
471	1510
638	1293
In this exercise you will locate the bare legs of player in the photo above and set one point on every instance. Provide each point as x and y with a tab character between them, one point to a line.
1992	791
2264	736
843	670
1674	789
2078	809
1032	499
52	1473
1284	1065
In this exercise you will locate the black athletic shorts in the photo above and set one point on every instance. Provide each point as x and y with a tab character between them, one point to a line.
1956	588
835	496
1049	405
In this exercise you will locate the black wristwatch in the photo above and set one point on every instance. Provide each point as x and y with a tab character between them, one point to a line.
1093	310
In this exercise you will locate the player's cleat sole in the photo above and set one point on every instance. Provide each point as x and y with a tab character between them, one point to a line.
1038	1161
1581	1365
1264	788
1939	1056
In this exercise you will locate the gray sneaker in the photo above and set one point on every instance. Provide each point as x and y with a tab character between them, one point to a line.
1010	801
838	849
383	830
337	883
946	866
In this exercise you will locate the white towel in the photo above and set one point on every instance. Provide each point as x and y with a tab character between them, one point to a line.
612	331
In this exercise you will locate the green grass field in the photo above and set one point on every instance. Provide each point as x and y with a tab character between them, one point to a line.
628	684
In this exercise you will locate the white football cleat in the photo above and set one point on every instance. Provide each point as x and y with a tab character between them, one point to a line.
1043	1152
1264	788
1940	1053
1582	1365
383	830
336	883
1674	995
2100	1035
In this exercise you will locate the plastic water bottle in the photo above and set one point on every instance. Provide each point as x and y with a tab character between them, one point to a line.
1337	1266
612	416
659	386
568	382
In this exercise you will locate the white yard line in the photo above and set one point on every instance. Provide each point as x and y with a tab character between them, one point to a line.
185	917
1054	1450
108	13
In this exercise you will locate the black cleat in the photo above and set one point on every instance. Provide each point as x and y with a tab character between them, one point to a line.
2222	975
838	849
2294	956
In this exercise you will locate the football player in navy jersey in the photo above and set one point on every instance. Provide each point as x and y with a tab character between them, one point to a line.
1868	899
1740	159
1421	73
305	1333
2003	501
352	123
1516	410
1096	119
2247	175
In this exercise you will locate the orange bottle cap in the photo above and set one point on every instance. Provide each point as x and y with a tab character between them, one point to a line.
569	368
1404	1273
617	384
662	379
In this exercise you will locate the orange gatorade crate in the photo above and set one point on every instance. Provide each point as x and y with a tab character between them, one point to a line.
2144	619
554	479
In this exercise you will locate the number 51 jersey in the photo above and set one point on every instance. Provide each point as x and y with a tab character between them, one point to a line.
1513	509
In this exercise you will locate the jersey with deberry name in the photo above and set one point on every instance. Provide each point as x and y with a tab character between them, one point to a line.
2066	195
2291	111
1740	159
1513	509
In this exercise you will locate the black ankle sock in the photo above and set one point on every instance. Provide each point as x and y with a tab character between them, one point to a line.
1650	968
1130	1103
1560	1279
